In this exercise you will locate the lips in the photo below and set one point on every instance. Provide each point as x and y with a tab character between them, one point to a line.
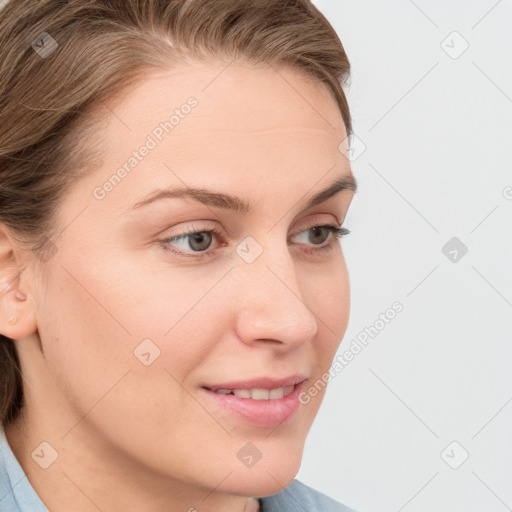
258	383
272	402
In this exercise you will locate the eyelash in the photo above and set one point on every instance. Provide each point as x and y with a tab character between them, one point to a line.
336	231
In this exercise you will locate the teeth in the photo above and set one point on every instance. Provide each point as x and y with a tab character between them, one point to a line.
242	393
276	393
258	393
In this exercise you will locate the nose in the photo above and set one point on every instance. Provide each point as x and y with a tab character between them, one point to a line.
271	307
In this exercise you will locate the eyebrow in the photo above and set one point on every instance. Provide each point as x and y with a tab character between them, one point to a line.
229	202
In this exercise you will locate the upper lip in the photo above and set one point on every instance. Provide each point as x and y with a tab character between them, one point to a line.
259	382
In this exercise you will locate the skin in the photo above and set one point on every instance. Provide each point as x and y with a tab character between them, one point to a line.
135	437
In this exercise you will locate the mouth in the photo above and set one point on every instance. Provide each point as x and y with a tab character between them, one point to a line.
256	393
261	402
259	386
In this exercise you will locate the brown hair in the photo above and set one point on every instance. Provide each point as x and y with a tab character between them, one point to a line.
60	59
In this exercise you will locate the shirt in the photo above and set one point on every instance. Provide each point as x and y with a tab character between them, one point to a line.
18	495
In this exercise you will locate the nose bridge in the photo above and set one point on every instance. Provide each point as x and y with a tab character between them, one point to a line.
271	304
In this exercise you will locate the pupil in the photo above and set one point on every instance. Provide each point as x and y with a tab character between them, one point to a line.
197	237
318	230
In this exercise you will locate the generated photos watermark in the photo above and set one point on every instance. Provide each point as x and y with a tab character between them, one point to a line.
358	343
152	140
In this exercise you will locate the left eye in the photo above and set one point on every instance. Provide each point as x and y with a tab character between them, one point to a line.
320	231
200	241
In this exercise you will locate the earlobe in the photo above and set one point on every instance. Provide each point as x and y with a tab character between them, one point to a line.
17	318
11	314
16	315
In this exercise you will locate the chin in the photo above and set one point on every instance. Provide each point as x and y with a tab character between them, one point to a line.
266	477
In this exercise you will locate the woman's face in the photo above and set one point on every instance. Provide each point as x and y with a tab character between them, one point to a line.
136	319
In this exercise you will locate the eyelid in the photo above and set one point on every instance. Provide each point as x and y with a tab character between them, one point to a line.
336	231
207	225
316	222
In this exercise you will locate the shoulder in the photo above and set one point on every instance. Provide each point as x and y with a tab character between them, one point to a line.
7	500
298	497
16	493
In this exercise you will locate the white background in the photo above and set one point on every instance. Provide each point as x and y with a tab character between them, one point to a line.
438	137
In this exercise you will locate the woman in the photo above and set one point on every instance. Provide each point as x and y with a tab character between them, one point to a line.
173	182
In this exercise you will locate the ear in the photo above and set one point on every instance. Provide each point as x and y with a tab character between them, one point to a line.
17	316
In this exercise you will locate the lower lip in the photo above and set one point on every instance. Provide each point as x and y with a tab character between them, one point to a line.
263	413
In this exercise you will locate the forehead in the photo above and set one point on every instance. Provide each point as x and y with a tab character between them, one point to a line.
236	125
235	96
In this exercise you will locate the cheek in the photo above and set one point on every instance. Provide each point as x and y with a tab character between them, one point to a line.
330	302
108	387
99	320
328	296
84	337
107	352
